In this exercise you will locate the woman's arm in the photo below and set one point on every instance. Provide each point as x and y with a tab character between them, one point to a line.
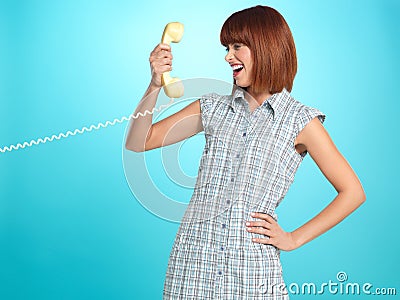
140	128
142	134
339	173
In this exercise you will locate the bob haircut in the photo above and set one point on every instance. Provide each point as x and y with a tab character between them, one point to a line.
268	36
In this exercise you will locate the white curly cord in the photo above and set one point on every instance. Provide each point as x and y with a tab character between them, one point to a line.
82	130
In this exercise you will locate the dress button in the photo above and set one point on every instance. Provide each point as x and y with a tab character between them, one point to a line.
223	225
219	272
232	179
222	248
237	155
228	201
244	133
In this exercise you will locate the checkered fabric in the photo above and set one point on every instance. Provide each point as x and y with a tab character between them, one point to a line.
248	164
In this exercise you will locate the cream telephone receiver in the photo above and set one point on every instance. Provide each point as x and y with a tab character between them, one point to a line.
173	86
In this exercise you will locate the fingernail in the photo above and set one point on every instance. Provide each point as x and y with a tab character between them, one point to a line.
247	223
253	214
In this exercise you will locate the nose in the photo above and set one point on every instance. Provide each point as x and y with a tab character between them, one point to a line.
229	55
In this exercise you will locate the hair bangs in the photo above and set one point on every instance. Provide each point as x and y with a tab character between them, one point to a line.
234	31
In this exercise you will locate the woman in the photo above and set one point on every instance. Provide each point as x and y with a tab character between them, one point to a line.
229	241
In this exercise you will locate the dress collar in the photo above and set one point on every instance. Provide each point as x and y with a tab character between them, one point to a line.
276	101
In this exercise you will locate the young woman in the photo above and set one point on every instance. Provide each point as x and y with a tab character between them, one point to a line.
228	243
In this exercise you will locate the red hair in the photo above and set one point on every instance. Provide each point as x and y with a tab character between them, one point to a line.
268	36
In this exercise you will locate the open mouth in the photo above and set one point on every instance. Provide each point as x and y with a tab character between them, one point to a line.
236	69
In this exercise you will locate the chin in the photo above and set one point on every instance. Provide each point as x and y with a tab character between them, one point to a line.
241	84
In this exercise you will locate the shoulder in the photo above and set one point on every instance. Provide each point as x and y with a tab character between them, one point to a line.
213	101
210	99
213	105
303	114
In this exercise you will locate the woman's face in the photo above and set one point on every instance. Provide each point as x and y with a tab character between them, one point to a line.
239	58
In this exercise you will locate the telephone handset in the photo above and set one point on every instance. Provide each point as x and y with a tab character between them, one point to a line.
173	86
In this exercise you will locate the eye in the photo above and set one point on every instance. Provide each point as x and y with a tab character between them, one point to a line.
237	46
227	49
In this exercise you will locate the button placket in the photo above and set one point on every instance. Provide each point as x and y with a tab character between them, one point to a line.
223	233
253	119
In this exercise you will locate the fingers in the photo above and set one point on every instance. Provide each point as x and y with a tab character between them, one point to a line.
271	233
263	216
160	47
160	62
162	54
262	223
260	230
266	241
161	50
164	46
162	69
266	226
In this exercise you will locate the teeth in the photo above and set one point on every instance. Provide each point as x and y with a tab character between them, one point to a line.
236	67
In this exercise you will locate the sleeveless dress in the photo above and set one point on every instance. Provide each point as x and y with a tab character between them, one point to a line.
248	164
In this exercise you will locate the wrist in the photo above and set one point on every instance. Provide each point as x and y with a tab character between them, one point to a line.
154	85
296	240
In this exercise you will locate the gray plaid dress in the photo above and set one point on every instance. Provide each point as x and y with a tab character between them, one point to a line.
248	164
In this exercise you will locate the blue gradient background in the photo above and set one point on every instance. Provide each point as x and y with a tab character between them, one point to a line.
70	227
